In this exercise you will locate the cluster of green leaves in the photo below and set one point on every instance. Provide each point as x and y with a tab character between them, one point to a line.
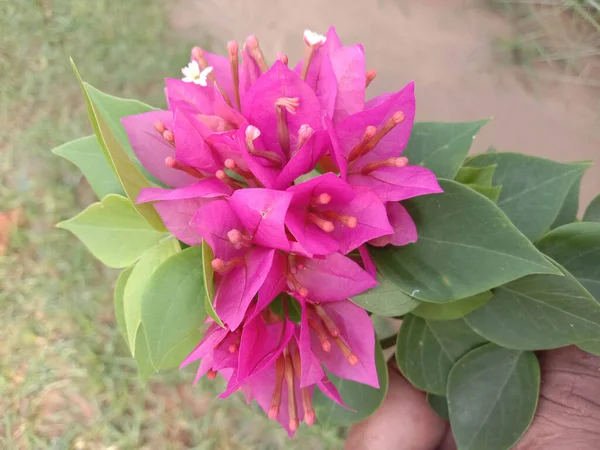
502	268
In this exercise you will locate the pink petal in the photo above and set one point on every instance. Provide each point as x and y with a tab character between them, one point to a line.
212	222
236	290
304	160
333	278
190	147
221	71
274	284
249	73
190	97
357	332
321	78
333	41
262	212
405	231
213	336
312	372
152	149
207	188
349	67
262	169
398	183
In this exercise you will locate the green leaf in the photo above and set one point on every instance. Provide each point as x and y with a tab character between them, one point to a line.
576	247
441	147
481	176
466	246
426	350
209	282
87	154
538	312
365	400
119	304
136	285
592	212
130	177
491	192
294	312
592	347
142	356
492	397
113	231
452	310
439	404
173	308
533	189
386	299
113	109
569	208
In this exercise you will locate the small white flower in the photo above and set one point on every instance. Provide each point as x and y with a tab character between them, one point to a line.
192	73
312	38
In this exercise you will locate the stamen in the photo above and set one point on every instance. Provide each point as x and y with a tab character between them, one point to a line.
224	267
239	239
283	58
283	133
297	286
307	406
231	165
290	104
321	334
321	199
289	380
323	224
313	41
221	175
211	374
256	52
276	398
304	134
397	117
198	56
371	74
234	347
234	63
251	134
159	126
169	136
351	357
369	133
349	221
327	321
401	161
174	164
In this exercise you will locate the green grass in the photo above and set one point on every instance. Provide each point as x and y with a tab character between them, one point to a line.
561	35
66	379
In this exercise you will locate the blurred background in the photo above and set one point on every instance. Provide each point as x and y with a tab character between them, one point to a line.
66	380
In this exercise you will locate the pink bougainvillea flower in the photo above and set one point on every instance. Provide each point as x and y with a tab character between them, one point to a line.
405	231
327	214
240	266
339	335
176	207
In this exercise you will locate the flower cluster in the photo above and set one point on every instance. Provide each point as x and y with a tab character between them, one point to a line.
234	144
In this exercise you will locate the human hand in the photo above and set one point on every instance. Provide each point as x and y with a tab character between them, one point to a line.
568	414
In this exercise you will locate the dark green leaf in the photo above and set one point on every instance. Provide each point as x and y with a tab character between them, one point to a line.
439	404
294	310
568	211
136	285
441	147
592	212
129	175
538	312
365	400
119	305
592	347
173	308
452	310
209	282
492	397
426	350
491	192
114	231
533	189
481	176
466	246
386	299
87	154
576	247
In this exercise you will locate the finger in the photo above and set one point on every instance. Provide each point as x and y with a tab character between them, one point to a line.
404	421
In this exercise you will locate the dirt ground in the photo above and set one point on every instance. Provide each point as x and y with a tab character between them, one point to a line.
445	46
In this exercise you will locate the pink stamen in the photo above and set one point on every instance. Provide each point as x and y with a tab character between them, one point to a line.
174	164
283	132
239	239
401	161
198	56
222	176
256	52
276	398
327	321
159	126
349	221
321	199
169	136
304	134
224	267
307	406
371	74
234	63
397	118
231	165
323	224
321	334
211	374
289	380
253	133
283	58
351	357
369	133
290	104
